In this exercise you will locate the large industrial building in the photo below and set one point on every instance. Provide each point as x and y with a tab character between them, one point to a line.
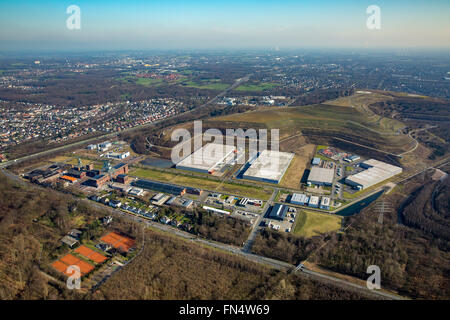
270	166
108	173
207	158
376	172
321	176
165	187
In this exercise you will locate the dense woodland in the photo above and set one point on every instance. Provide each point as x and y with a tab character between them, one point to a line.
284	246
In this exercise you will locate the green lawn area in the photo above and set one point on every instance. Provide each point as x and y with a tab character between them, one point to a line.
256	87
213	84
311	223
203	183
148	81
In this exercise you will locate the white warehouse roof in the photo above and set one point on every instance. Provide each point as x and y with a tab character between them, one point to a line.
299	198
377	172
321	175
205	159
267	168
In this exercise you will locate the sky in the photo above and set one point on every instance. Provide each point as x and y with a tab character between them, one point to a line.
230	24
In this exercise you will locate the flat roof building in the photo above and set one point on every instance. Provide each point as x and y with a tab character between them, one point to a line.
278	212
212	209
159	186
300	199
269	167
207	158
313	202
321	176
325	203
377	171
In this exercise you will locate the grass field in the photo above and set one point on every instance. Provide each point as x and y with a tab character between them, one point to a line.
324	118
212	84
148	82
74	161
256	87
203	183
311	223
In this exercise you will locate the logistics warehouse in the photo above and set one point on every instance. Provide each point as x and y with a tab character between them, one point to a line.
208	158
269	167
376	172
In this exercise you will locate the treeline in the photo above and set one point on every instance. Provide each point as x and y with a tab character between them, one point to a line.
419	212
223	229
286	247
212	226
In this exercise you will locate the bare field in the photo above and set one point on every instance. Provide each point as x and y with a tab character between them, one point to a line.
297	167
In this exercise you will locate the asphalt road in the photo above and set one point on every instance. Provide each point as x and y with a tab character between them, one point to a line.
247	248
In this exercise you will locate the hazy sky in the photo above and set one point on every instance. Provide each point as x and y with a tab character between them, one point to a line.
156	24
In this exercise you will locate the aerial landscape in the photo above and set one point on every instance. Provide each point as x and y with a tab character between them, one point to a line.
223	165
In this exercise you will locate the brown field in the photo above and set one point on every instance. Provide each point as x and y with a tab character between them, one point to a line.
297	167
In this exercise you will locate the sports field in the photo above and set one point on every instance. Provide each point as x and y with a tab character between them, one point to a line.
62	264
90	254
118	241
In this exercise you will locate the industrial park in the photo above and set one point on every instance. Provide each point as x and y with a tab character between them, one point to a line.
128	183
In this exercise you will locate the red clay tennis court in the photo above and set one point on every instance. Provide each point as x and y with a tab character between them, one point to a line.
85	267
58	265
70	260
91	254
118	241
